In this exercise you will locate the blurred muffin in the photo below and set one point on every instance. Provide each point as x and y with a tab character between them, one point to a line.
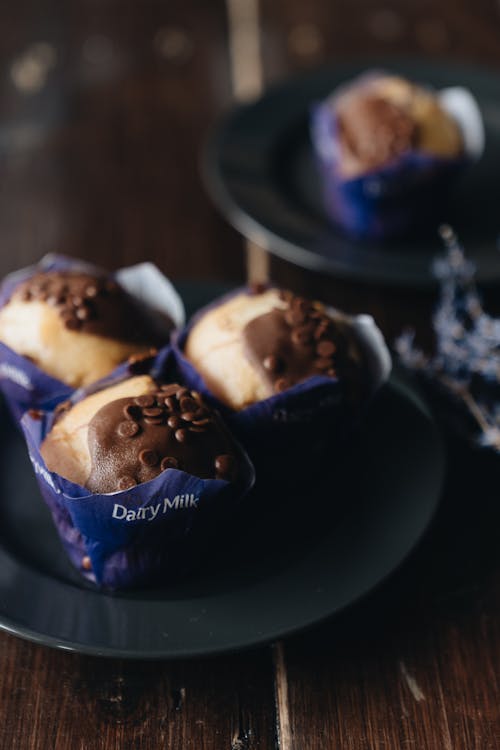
387	117
78	327
258	344
388	153
129	433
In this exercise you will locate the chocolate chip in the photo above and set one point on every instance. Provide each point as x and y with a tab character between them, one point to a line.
188	404
188	416
128	429
201	412
323	363
182	435
145	401
91	291
86	563
148	457
272	363
72	323
83	313
131	412
323	328
224	464
326	348
125	482
281	384
153	411
154	420
300	304
169	390
295	317
169	462
202	422
174	422
171	403
301	335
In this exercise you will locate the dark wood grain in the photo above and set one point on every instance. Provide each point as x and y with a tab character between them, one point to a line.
297	35
57	700
100	159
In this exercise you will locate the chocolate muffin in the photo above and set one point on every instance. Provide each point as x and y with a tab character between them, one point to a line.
388	153
76	326
383	118
129	433
261	343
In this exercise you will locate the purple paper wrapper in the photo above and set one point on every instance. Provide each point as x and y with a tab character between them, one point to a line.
153	533
286	435
406	193
25	385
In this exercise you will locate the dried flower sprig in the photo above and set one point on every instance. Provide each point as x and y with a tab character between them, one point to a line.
465	370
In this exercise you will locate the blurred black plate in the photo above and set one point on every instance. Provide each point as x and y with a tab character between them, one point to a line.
260	170
296	562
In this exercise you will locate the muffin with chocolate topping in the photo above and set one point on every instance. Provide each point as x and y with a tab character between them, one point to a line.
290	376
388	151
387	117
129	433
256	345
139	477
77	326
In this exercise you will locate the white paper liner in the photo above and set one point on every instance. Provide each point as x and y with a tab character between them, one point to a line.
463	107
147	284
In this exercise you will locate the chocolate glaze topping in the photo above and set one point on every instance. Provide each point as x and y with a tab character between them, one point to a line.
132	440
293	343
94	304
375	130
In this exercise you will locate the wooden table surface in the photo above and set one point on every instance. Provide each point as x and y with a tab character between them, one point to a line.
104	107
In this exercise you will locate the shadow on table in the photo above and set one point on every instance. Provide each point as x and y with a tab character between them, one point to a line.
451	577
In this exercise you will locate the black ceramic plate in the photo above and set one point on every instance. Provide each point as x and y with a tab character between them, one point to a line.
260	169
293	564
